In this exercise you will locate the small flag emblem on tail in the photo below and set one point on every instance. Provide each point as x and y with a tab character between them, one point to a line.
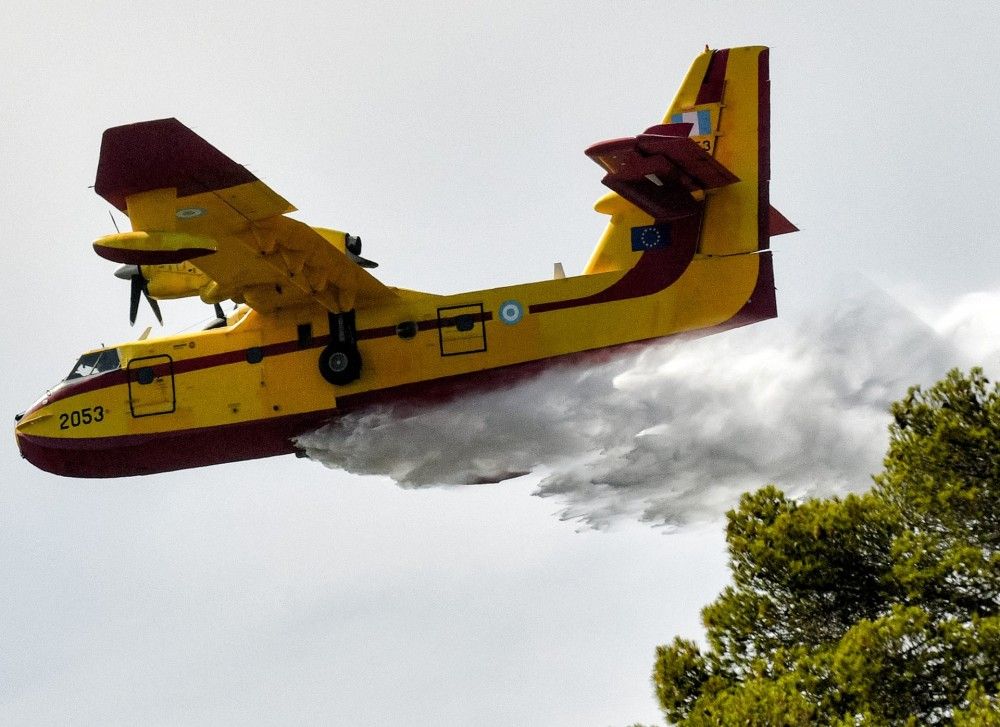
651	237
701	121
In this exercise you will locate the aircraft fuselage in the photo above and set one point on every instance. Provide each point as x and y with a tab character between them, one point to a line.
245	390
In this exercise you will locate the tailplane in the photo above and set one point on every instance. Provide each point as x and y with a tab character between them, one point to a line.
701	174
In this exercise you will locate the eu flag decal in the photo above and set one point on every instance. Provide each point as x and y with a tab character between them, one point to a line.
652	237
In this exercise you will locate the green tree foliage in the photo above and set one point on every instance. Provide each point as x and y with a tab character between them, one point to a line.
873	609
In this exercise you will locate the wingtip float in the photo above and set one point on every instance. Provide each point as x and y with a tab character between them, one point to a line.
315	334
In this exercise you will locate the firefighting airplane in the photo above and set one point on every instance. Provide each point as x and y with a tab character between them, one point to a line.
315	334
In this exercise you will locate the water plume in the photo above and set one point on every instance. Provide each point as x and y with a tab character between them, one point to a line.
676	432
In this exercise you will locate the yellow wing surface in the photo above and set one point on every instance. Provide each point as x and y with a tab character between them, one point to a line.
190	205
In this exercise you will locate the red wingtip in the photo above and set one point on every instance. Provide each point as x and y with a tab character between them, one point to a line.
160	154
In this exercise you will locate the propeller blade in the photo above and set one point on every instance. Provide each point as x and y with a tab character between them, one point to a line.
220	319
352	245
152	301
363	262
139	288
133	303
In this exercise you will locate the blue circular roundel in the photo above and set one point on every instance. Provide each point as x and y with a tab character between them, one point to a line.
511	312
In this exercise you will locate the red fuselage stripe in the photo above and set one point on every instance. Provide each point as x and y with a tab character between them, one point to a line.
198	363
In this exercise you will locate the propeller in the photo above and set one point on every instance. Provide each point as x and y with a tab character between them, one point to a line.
220	318
140	287
353	245
363	262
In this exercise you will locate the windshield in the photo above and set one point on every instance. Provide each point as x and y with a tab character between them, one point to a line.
95	362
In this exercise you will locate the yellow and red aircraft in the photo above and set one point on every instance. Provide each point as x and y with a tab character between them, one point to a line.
315	334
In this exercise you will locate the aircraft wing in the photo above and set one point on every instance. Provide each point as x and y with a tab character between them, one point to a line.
187	201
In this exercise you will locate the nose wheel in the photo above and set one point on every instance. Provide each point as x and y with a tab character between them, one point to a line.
340	362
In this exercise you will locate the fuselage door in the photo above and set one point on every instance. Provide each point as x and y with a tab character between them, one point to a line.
461	329
151	386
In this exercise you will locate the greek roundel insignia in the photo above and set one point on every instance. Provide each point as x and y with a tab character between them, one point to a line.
188	213
511	312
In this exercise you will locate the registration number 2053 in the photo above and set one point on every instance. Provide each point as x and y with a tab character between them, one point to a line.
81	417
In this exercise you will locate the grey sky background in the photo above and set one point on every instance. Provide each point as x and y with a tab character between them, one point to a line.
450	136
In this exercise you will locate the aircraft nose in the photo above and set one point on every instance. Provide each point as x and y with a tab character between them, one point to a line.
40	440
23	439
42	451
46	454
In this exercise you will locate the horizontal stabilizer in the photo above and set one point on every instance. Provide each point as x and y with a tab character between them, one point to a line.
778	224
658	170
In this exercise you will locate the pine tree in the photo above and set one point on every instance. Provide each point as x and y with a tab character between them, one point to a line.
873	609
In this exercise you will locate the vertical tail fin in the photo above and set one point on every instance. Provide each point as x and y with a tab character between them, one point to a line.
709	161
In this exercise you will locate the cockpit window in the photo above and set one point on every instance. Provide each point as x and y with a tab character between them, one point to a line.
95	362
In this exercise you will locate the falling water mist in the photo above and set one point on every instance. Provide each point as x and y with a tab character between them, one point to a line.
676	432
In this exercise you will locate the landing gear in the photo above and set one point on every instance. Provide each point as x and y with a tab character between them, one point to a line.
340	365
340	362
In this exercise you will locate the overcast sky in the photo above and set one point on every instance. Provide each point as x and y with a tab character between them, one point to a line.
450	136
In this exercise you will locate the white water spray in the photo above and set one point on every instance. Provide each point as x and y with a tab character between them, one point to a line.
678	431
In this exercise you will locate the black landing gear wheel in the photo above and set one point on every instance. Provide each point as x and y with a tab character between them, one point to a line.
340	364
